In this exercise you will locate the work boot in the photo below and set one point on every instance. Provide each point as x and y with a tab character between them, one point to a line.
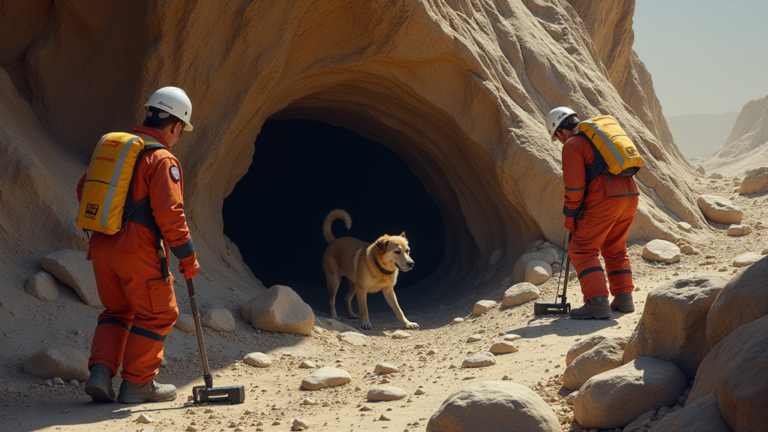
596	308
99	384
151	391
623	303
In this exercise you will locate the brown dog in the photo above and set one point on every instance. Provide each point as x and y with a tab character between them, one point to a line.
369	268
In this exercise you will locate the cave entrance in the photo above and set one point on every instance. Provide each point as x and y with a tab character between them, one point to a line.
301	170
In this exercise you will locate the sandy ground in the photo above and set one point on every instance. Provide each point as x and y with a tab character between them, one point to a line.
274	395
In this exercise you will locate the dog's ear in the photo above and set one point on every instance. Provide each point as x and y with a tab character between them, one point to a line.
382	245
403	235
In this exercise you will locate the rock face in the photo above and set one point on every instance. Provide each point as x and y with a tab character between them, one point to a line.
73	270
519	294
324	378
745	147
63	362
280	309
755	180
662	251
43	286
483	88
735	372
700	416
218	319
674	322
743	300
494	406
385	393
603	357
615	398
720	209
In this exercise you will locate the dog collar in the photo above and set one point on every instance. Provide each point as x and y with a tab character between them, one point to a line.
381	269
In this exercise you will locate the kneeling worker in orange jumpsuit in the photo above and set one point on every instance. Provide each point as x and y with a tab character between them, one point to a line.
599	210
132	280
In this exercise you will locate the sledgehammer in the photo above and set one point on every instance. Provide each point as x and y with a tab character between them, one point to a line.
209	393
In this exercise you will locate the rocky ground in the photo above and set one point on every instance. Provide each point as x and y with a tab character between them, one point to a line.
429	361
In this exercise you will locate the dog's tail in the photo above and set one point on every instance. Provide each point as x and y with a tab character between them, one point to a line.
332	216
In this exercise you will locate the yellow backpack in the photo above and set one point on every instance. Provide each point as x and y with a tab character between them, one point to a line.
620	156
108	182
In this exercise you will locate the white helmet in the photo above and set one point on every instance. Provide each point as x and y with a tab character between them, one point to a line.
173	100
556	118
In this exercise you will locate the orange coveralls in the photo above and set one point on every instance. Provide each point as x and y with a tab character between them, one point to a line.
609	211
140	304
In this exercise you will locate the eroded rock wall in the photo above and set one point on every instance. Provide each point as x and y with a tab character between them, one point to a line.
459	89
747	145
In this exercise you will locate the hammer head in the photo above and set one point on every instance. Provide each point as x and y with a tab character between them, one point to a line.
540	308
232	395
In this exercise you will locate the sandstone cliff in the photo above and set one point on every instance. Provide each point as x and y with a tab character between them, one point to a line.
459	89
747	145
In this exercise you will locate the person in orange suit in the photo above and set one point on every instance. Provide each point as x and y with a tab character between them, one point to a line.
132	280
599	210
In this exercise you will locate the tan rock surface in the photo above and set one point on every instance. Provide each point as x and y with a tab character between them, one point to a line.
700	416
43	286
603	357
72	269
280	309
755	180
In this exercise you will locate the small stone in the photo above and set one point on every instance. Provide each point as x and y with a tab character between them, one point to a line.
299	425
479	360
74	382
419	391
512	337
353	338
571	397
483	306
63	362
461	320
685	226
185	323
366	408
143	418
386	381
537	272
220	320
662	251
43	286
504	347
57	381
738	230
324	378
746	259
276	423
474	338
191	428
208	411
400	334
385	368
432	352
519	294
384	417
309	401
307	364
505	378
386	393
49	382
258	359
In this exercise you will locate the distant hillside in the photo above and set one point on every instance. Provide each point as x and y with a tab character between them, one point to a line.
698	135
746	147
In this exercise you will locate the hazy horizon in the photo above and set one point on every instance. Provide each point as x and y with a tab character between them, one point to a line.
705	57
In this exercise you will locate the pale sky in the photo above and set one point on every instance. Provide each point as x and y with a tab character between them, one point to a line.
705	56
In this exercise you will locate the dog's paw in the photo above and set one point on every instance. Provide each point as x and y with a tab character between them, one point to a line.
412	326
353	316
366	326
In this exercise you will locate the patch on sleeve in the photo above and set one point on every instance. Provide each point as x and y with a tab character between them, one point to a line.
175	174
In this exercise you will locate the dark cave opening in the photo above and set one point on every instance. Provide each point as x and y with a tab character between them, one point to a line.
302	170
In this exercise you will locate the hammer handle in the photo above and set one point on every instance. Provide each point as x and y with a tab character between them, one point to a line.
199	330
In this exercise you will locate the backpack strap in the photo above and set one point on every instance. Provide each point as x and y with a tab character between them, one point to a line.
593	170
141	213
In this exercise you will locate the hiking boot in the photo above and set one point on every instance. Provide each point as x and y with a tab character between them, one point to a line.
151	391
596	308
99	384
623	303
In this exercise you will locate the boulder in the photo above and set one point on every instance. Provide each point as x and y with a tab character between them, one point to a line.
334	325
483	306
385	368
386	393
479	360
738	230
746	259
43	286
280	309
700	416
582	347
494	406
549	256
72	269
519	294
537	272
325	378
603	357
754	181
258	359
63	362
735	371
503	347
674	323
719	209
615	398
353	338
743	300
220	320
662	251
185	323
